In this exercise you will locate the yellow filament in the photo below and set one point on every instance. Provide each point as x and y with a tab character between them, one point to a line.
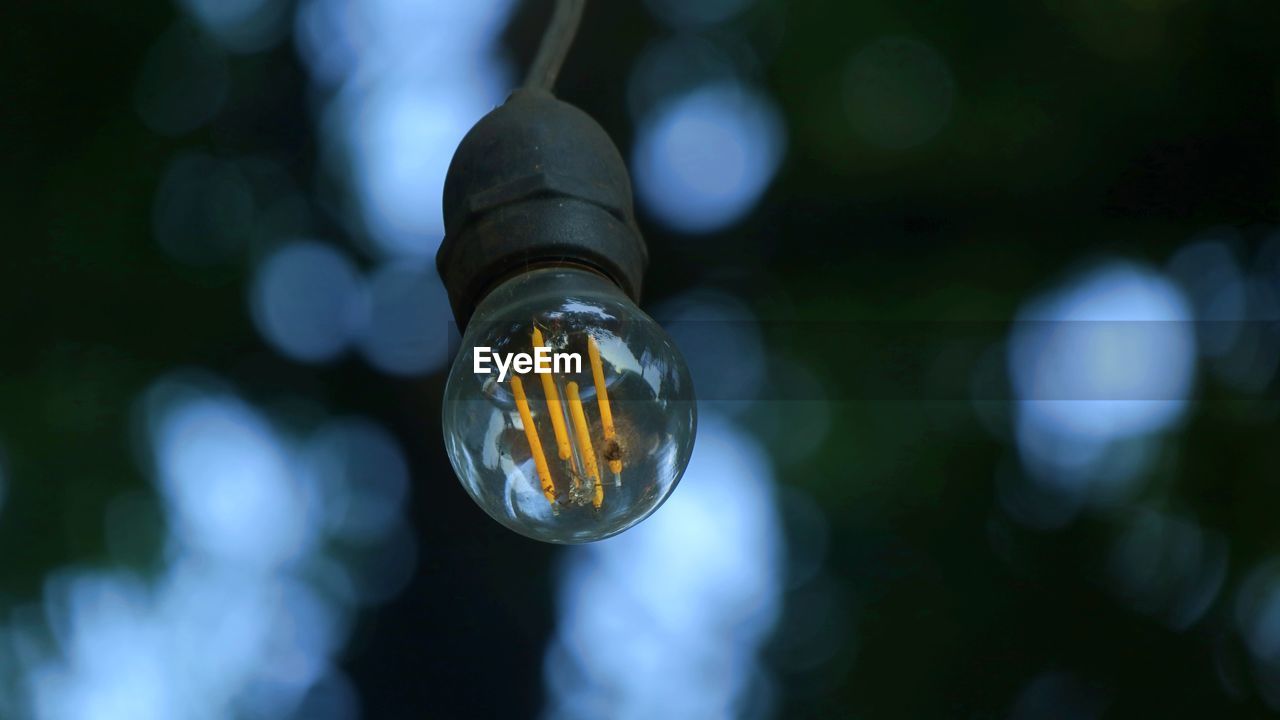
554	409
602	397
535	444
584	440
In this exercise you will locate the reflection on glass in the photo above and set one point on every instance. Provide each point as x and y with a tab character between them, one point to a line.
592	445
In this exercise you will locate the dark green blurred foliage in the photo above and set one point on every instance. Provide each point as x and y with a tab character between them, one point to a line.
1074	130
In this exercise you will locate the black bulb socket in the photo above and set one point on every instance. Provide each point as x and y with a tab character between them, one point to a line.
536	183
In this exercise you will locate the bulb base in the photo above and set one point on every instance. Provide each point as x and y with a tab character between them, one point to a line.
536	182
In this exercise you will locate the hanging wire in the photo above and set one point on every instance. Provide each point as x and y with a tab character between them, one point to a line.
555	45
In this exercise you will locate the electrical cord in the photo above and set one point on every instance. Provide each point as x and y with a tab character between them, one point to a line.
556	42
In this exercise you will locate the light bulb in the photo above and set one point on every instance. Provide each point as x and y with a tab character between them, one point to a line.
578	441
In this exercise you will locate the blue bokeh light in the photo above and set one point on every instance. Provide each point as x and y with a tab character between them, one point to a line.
668	619
250	605
242	25
408	79
1257	614
227	482
361	477
1235	309
409	321
1215	286
402	137
1109	356
1122	331
673	66
1169	567
1258	611
703	160
309	301
207	640
720	339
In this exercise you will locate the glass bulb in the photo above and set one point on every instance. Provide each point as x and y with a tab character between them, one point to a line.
582	439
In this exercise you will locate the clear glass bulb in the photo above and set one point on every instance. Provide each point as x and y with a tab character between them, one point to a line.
587	449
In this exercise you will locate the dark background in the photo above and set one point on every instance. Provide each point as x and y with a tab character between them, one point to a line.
1078	132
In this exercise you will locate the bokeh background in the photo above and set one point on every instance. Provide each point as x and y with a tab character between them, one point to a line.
984	301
